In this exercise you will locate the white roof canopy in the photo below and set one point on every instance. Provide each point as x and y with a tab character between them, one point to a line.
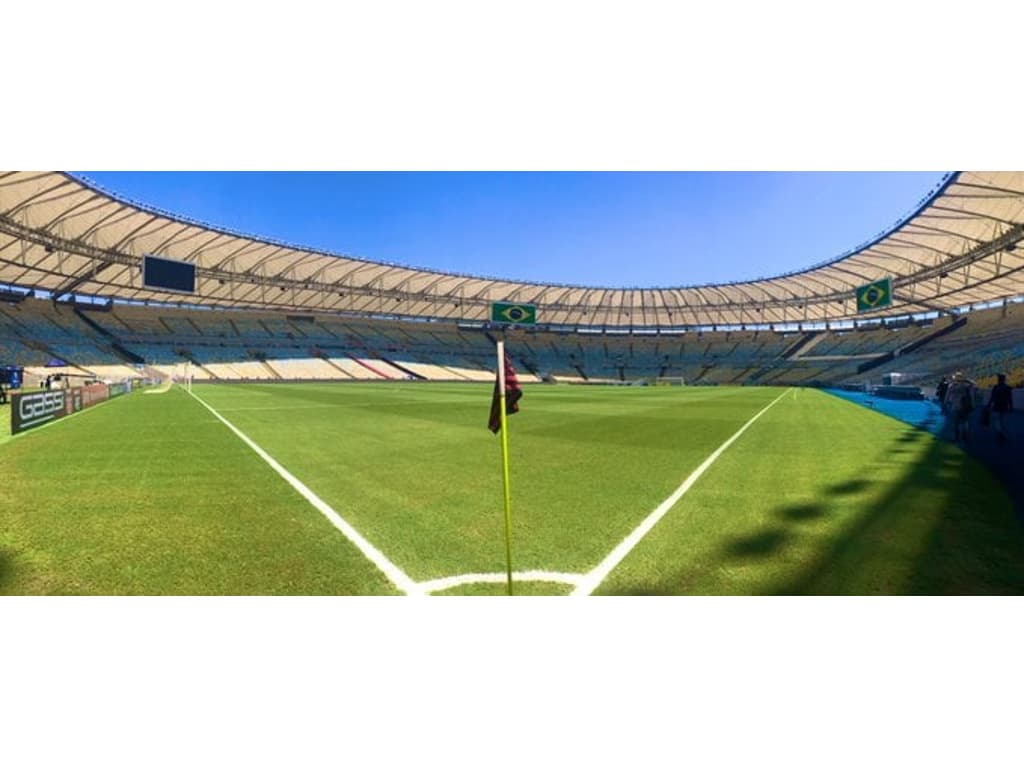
59	234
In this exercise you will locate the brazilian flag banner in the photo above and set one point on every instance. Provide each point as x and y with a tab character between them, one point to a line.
520	314
876	295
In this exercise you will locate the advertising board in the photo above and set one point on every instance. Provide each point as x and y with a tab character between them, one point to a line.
32	409
94	393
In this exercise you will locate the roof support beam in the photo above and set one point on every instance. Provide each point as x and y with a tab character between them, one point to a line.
965	215
987	188
33	199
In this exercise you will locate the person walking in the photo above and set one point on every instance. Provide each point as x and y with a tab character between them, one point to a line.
1000	403
959	404
940	392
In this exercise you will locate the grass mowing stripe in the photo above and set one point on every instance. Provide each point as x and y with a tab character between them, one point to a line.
155	496
395	574
414	469
593	579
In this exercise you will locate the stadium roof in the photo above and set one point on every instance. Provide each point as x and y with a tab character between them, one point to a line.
60	234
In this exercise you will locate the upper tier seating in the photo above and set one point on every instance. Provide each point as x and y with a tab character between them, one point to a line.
228	344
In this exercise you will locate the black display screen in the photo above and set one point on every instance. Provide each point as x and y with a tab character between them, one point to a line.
168	275
11	375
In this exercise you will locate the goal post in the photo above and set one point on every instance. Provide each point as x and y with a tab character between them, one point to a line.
669	381
182	375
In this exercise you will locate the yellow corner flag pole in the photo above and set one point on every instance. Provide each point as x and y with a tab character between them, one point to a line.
504	461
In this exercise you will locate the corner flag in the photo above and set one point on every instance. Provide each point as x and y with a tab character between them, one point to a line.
505	401
512	393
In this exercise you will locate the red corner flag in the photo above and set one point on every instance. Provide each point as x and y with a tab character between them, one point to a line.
512	394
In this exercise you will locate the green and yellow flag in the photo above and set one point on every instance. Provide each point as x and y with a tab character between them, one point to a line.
505	401
876	295
520	314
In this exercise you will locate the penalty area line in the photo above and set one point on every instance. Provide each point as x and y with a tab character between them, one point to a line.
593	579
396	575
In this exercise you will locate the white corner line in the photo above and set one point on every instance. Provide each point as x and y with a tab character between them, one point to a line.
450	582
396	575
592	579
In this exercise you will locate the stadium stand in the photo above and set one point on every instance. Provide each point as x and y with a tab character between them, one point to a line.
45	336
71	300
990	342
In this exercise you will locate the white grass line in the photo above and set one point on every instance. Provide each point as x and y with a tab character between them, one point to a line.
286	407
592	579
166	387
449	582
395	574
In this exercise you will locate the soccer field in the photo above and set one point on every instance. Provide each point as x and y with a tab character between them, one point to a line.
396	488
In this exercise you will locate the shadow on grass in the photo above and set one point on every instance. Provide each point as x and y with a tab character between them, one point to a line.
947	527
801	512
848	487
758	544
6	571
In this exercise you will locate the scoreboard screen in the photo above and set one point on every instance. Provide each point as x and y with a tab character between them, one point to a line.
168	275
11	375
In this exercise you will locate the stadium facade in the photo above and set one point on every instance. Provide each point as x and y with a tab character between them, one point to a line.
71	270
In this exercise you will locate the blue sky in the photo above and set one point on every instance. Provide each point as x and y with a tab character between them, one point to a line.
611	229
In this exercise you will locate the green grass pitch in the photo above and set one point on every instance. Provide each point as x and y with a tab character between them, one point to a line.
152	494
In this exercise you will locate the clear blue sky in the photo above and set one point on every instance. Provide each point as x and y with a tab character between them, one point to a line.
609	229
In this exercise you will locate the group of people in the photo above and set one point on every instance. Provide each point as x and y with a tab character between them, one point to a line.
959	397
56	381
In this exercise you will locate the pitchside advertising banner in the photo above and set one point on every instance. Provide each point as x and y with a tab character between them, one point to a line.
33	409
94	393
120	388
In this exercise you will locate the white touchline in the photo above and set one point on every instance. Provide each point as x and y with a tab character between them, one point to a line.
592	579
395	574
